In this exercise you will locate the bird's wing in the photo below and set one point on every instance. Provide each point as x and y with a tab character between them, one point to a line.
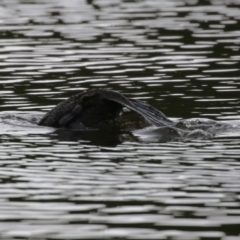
151	114
65	112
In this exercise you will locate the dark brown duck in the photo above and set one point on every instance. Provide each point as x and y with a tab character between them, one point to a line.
95	108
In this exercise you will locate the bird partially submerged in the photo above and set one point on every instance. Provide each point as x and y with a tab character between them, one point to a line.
95	108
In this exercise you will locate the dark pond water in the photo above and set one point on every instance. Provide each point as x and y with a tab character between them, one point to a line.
180	56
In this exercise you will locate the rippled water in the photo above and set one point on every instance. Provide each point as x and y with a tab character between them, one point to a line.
180	56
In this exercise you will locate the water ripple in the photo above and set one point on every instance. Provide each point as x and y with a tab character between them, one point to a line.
179	56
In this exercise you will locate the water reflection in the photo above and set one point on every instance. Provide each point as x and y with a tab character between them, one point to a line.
103	137
182	57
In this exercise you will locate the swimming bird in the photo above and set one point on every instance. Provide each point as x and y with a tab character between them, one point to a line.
95	108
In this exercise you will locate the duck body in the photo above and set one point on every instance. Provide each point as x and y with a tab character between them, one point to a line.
97	107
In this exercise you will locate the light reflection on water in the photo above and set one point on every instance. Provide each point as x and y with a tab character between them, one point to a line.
180	56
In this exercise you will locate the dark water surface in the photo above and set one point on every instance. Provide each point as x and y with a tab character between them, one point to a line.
180	56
